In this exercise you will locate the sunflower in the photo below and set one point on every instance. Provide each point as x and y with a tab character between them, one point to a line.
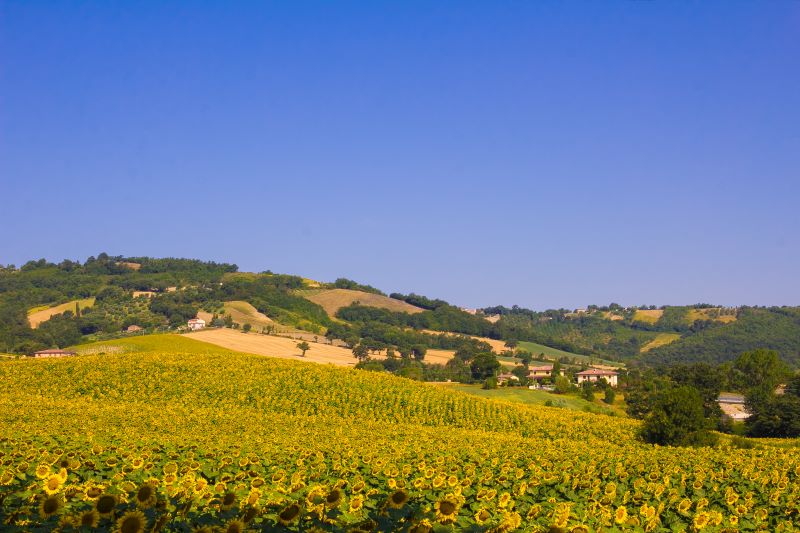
203	529
88	518
249	514
289	514
92	492
334	498
356	503
684	506
398	499
50	506
504	500
621	515
105	504
6	478
482	516
53	484
42	471
170	468
447	509
235	526
146	496
132	522
700	520
228	501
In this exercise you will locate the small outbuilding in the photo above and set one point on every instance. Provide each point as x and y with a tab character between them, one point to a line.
133	328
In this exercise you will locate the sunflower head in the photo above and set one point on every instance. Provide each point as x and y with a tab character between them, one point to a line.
53	483
88	518
234	526
482	516
447	509
398	499
146	496
50	506
228	500
289	514
132	522
334	498
105	504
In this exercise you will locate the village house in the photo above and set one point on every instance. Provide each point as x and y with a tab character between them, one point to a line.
594	375
196	323
55	352
506	377
133	328
538	373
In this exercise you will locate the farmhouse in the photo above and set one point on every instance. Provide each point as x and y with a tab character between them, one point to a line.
133	328
52	353
540	372
196	324
506	378
595	374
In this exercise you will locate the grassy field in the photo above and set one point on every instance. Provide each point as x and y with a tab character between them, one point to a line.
662	339
37	315
334	299
163	432
532	397
554	353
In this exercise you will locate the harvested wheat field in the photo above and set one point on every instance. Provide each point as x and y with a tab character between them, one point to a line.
38	315
244	313
334	299
649	316
272	346
284	348
662	339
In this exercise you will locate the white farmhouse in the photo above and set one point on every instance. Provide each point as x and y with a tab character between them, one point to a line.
196	323
596	374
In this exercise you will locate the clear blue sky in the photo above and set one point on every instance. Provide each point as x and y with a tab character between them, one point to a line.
544	154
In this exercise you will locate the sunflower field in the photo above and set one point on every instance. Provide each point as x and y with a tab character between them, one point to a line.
164	433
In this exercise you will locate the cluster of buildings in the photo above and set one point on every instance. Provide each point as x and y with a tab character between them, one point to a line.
539	373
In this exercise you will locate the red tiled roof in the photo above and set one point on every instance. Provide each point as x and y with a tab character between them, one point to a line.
596	372
546	368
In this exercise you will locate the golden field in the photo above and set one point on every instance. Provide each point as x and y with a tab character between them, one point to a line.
171	434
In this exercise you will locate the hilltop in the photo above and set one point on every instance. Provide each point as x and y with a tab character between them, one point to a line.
45	304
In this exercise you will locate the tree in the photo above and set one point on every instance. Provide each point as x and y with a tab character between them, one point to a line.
562	385
361	352
610	396
587	391
247	327
759	369
511	344
777	416
484	365
419	351
303	347
676	419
